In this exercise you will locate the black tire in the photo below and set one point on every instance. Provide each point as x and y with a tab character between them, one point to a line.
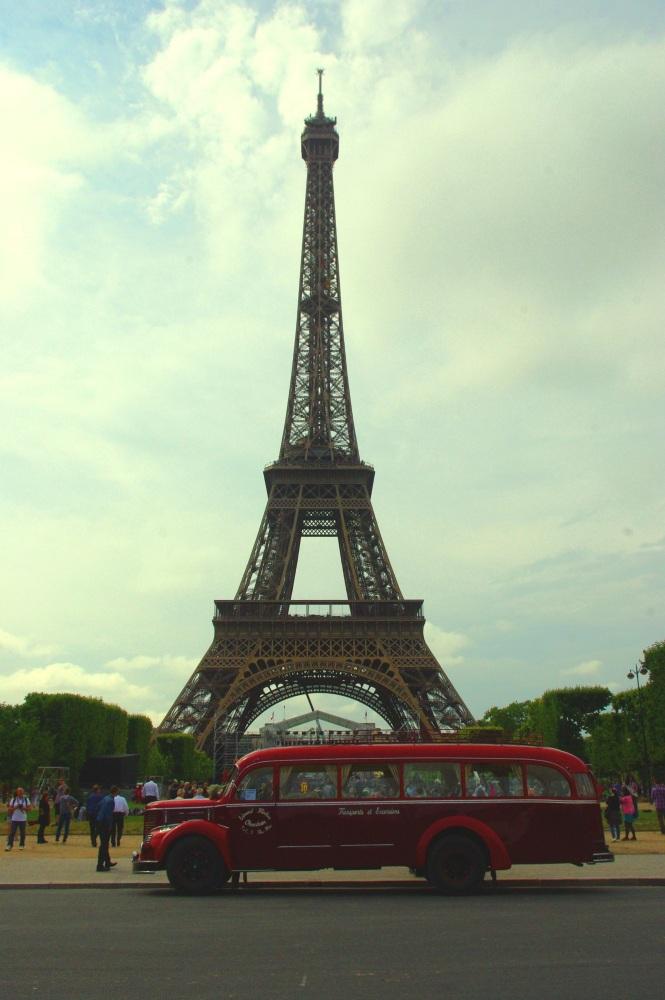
195	867
456	864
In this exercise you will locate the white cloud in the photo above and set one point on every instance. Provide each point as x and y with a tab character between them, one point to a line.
177	665
170	199
43	135
20	646
70	678
446	646
371	24
586	669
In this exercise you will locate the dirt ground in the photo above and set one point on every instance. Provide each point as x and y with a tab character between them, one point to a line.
78	846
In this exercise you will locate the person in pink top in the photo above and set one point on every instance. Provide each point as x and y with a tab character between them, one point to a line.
628	811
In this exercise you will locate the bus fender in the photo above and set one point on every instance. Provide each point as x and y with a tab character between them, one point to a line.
219	835
498	855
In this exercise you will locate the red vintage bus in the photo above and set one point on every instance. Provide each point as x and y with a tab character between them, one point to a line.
448	812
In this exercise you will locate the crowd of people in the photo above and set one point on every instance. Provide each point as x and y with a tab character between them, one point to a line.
622	807
192	790
104	810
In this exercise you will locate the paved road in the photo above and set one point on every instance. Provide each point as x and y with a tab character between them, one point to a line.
588	942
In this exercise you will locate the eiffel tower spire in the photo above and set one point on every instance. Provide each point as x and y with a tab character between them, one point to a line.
319	420
267	647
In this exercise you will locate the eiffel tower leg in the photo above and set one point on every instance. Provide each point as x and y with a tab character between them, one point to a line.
270	572
364	557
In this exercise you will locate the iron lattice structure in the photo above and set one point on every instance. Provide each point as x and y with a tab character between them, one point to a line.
266	647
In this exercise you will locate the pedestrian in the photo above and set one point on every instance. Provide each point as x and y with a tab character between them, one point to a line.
150	791
17	814
613	814
120	810
60	790
43	817
658	799
628	811
67	805
91	807
104	826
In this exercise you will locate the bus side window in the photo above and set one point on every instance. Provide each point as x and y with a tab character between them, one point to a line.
585	787
546	782
256	786
493	780
432	780
370	781
308	781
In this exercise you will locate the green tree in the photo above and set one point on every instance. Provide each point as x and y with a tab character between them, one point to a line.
607	746
78	728
177	749
11	749
513	719
202	767
654	705
158	766
565	716
139	736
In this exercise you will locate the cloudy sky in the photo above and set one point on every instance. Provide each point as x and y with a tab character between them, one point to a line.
502	233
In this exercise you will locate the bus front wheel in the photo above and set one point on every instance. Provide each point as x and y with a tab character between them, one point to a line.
456	864
194	866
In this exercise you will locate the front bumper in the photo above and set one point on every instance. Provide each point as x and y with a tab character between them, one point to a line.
143	867
601	857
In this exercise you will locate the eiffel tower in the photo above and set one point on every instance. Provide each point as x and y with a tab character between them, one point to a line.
267	647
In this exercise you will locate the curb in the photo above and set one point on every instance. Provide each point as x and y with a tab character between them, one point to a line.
423	887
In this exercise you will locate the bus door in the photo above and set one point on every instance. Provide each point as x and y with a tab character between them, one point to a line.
251	818
555	823
369	825
306	812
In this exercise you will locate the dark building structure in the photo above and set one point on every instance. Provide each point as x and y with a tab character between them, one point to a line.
266	647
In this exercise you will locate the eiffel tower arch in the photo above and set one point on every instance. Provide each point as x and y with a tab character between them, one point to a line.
266	647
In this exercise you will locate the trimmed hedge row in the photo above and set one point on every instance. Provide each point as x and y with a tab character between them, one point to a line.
63	730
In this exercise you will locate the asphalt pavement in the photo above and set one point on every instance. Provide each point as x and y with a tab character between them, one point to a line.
325	943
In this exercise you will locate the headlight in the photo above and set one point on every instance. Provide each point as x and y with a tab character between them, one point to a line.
159	829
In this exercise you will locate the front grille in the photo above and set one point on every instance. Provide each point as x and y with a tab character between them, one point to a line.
151	819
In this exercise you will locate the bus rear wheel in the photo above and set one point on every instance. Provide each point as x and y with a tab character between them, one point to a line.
456	864
194	866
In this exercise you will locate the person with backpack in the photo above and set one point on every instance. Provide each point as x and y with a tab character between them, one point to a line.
17	809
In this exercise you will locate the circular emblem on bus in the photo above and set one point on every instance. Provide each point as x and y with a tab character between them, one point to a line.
255	821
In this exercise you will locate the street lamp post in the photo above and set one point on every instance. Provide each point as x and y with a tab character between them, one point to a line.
641	668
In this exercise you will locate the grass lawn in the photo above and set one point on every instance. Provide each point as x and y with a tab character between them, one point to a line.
133	824
647	819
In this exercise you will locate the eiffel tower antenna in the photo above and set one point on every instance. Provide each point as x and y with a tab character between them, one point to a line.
319	100
266	647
